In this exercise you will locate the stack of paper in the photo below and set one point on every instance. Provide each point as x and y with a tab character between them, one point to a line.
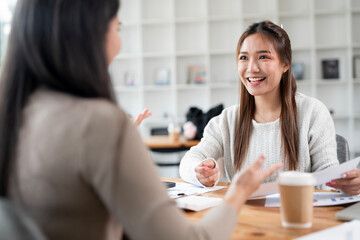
184	195
346	231
197	203
186	189
320	199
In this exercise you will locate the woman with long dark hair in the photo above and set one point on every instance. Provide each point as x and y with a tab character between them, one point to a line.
69	156
271	119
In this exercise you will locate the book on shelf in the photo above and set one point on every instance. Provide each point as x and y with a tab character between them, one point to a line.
196	74
330	68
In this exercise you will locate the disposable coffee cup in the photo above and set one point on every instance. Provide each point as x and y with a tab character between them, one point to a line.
174	132
296	197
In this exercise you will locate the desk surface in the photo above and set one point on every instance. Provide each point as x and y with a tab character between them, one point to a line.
259	222
156	142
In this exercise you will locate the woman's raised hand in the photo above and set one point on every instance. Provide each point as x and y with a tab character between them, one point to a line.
145	114
247	182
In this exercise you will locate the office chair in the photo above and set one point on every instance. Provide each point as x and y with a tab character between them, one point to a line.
343	152
15	224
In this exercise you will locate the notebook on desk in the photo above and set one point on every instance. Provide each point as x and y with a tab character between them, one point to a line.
350	213
197	203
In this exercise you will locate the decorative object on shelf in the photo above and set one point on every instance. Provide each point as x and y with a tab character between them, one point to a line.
357	66
298	70
330	68
196	74
200	120
130	78
162	76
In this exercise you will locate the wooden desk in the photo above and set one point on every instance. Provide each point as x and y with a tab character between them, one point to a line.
163	143
258	222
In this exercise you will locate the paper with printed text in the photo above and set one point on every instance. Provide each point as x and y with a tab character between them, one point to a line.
321	177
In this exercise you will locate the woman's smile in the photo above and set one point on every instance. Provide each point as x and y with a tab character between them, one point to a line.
255	81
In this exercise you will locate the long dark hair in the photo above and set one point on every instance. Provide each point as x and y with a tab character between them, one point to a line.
288	117
56	44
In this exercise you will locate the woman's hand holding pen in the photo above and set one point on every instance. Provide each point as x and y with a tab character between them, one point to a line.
349	184
207	172
247	182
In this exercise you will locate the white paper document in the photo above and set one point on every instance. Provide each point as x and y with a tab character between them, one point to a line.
197	203
345	231
266	189
320	199
187	189
321	177
335	172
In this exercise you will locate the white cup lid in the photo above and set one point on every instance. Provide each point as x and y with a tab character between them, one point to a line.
293	178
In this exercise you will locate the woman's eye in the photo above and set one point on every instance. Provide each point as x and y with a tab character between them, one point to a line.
263	57
242	58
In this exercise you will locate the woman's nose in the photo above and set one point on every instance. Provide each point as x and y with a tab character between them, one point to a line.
253	66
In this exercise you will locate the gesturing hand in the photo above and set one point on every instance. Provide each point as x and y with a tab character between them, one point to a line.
207	173
247	182
145	114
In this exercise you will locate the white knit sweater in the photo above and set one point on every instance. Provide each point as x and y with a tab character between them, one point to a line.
317	141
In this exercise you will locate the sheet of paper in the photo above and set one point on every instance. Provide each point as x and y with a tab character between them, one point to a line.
335	172
345	231
197	203
266	189
322	177
320	199
187	189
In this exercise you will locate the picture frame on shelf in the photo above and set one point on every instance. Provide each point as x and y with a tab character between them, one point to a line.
196	74
162	76
130	78
330	69
357	66
298	69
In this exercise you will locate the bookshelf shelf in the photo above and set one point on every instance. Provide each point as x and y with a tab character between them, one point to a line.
176	34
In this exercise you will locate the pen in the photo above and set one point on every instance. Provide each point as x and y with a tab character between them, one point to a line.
180	195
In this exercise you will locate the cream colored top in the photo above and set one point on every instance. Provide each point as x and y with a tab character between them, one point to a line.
317	141
82	172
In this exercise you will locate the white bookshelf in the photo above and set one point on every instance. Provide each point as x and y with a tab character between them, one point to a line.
174	34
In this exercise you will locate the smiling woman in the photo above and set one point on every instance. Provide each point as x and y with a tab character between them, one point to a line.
272	118
268	56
